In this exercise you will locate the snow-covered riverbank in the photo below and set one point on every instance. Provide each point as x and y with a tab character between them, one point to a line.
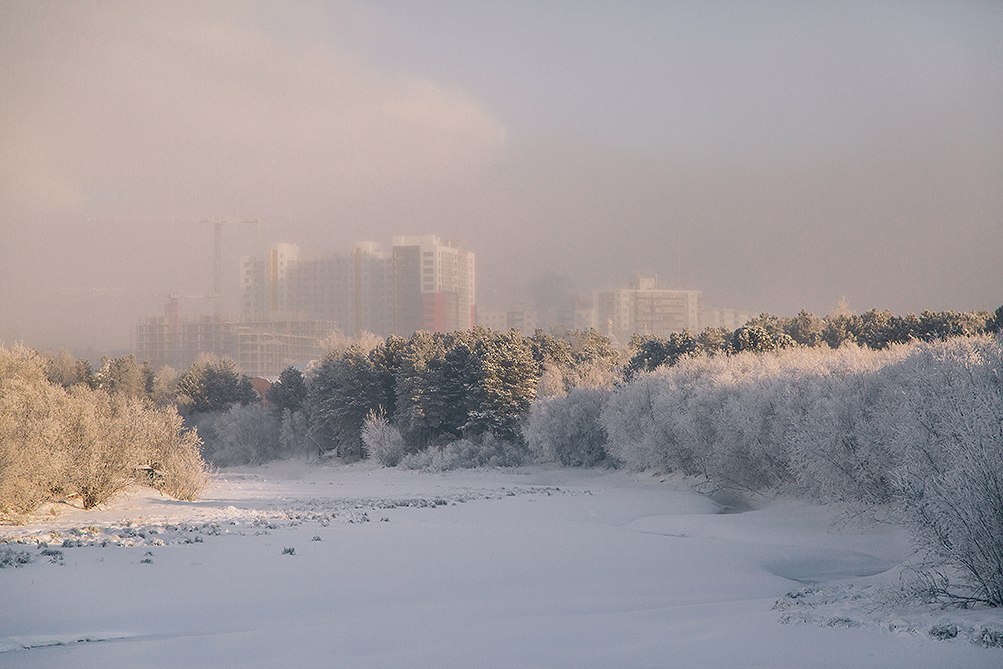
296	565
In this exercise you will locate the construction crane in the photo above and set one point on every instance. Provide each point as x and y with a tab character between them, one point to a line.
217	229
217	250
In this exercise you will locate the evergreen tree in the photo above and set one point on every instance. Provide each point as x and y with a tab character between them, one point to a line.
805	329
213	384
387	359
714	340
418	414
548	349
289	393
653	352
758	340
343	390
504	378
773	325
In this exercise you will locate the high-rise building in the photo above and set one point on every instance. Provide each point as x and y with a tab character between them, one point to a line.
321	289
644	308
433	285
372	294
265	282
424	284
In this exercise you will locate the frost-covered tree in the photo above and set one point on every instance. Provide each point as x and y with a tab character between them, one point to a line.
165	387
502	375
242	434
419	410
213	384
568	429
382	440
123	376
65	370
588	347
950	480
84	444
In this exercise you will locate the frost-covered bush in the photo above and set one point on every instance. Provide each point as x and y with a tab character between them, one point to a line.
805	420
916	429
32	433
382	440
629	417
567	429
240	435
10	557
950	481
174	459
81	443
484	451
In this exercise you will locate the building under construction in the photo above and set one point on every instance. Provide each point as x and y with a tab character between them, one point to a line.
290	303
258	348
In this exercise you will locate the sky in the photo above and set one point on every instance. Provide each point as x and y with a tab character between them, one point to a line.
776	156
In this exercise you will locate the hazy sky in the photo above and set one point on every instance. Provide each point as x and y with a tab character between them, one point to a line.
775	156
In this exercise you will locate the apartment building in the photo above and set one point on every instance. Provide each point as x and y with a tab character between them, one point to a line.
422	284
645	308
433	285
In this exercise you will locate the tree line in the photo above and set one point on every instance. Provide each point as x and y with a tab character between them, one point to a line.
874	329
476	396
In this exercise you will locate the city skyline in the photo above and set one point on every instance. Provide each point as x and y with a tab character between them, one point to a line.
777	157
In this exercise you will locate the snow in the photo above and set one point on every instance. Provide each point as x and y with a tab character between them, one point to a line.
532	567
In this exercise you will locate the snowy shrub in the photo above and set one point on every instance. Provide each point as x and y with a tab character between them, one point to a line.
382	440
916	429
176	467
806	420
632	436
944	631
843	413
58	444
106	446
485	451
240	435
950	482
32	432
567	429
14	558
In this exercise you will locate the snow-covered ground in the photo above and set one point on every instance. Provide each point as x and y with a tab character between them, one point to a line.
293	565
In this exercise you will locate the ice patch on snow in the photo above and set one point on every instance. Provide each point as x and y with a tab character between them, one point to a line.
833	565
27	642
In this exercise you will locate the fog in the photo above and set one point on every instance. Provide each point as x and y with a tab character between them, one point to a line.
775	156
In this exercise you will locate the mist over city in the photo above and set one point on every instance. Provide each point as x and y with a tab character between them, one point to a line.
774	157
501	334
